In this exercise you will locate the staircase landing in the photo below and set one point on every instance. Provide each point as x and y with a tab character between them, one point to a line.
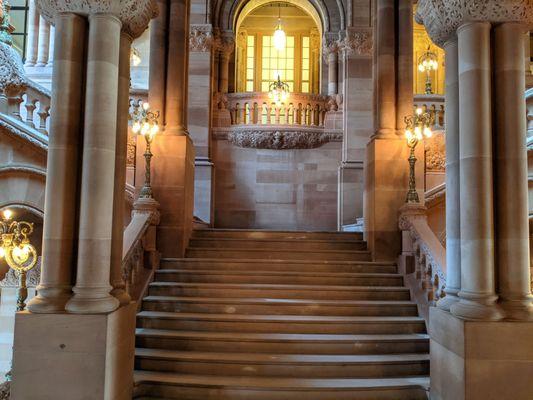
272	315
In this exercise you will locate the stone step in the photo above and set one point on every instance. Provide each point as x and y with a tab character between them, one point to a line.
265	234
277	244
281	342
278	265
204	387
277	277
265	254
213	305
276	291
282	365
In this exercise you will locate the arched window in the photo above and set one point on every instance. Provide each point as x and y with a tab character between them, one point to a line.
18	18
258	61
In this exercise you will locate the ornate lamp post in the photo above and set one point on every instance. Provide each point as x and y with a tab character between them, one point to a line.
145	123
427	63
19	253
417	127
278	91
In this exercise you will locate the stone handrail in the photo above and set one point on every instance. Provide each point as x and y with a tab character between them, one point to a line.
257	109
139	254
434	104
423	258
31	106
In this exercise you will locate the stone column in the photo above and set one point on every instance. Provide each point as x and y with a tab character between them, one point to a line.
91	293
177	68
158	60
51	47
477	295
385	62
44	42
226	49
59	232
404	73
119	287
511	195
333	61
33	35
453	197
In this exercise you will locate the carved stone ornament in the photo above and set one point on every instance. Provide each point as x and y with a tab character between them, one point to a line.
441	18
436	152
330	45
134	14
132	150
12	76
200	37
281	139
358	41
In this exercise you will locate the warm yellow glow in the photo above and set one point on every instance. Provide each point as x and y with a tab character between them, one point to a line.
409	134
418	133
2	252
427	132
280	39
21	253
146	105
136	127
8	214
419	111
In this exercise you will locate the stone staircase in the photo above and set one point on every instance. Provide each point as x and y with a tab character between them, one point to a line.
262	315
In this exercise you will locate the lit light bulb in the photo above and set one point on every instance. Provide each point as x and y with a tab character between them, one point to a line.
2	252
17	252
409	134
427	132
421	68
146	105
418	133
136	127
280	39
8	214
419	111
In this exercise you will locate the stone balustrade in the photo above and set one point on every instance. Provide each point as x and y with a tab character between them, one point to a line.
423	258
31	106
257	109
434	104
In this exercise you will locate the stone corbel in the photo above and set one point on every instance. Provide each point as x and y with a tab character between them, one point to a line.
226	43
358	41
201	38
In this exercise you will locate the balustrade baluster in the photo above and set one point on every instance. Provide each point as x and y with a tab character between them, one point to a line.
30	108
13	104
44	113
242	119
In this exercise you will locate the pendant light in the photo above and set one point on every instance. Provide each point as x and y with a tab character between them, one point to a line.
280	39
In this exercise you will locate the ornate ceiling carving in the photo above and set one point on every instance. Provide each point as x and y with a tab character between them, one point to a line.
134	14
442	17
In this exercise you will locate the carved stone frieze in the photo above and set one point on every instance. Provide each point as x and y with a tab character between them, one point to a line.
279	139
441	18
12	76
201	38
358	41
134	14
436	152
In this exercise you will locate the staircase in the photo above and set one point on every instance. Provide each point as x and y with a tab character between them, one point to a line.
262	315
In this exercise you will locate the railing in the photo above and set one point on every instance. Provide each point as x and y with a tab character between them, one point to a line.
423	259
31	107
434	104
139	256
258	109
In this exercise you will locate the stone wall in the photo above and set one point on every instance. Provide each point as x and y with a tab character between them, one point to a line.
276	189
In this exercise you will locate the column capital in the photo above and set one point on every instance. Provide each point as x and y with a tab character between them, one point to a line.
134	14
330	44
441	18
358	41
201	37
226	43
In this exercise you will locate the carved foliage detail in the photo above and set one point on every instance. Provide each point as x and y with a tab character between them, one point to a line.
359	42
436	152
12	77
281	140
200	38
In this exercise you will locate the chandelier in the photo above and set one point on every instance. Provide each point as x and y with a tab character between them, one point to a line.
278	91
427	63
280	39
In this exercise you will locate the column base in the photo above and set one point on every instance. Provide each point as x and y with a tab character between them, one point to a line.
448	301
75	357
474	360
481	310
92	300
121	295
50	300
519	309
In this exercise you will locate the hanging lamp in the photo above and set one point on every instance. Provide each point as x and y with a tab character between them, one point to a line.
280	39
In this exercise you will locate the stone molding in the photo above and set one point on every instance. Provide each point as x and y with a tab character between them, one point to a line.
201	38
134	14
277	138
13	130
441	18
358	41
12	76
24	169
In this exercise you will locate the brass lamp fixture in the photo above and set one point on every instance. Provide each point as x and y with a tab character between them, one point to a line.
145	123
417	128
278	91
16	249
426	63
